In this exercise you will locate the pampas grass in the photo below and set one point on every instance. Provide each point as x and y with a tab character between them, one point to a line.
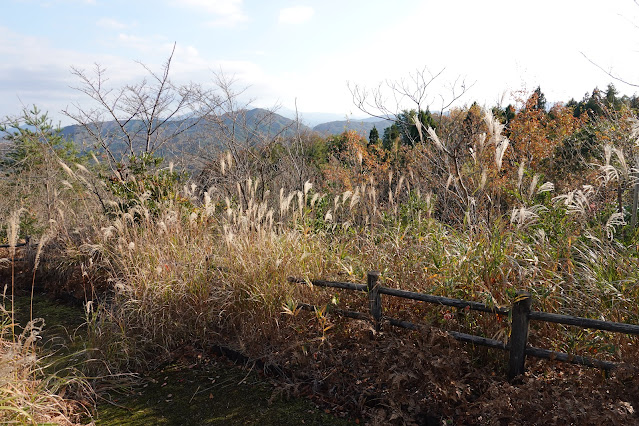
29	392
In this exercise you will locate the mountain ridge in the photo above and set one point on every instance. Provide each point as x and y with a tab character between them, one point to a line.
251	127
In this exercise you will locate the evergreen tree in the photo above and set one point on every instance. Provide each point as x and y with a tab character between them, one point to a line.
34	140
510	113
472	124
36	149
541	99
611	99
594	103
408	129
373	136
391	134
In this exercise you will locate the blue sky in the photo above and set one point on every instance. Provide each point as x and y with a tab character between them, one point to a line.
290	51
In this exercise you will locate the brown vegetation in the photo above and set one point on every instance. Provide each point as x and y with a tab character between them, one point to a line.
465	210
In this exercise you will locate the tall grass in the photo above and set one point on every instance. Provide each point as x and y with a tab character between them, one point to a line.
208	274
33	385
204	266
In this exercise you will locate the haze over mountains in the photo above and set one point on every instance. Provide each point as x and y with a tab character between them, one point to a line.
196	137
250	126
362	126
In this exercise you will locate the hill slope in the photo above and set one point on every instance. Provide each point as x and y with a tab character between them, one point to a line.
363	127
190	135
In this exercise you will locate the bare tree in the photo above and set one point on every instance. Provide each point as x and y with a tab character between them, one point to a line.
389	98
137	118
237	143
254	147
450	161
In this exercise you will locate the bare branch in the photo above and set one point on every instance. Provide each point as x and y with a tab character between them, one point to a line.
609	72
143	116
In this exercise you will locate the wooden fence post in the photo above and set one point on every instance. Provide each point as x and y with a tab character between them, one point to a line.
519	334
374	299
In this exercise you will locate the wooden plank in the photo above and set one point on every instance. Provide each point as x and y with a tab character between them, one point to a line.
573	359
457	303
404	324
16	246
333	284
478	340
462	337
585	322
519	335
335	311
374	299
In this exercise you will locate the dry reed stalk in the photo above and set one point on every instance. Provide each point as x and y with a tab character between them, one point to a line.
36	263
14	229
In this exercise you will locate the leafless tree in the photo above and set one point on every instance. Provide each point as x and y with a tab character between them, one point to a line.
450	161
236	141
253	145
137	118
389	98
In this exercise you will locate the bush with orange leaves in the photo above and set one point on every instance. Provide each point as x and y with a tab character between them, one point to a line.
352	162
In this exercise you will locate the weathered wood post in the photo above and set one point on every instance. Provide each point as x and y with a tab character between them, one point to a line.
519	334
374	299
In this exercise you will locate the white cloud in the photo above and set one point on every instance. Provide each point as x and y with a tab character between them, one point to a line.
34	71
228	13
296	15
111	24
146	44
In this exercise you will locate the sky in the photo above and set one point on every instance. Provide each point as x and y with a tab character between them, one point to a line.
305	53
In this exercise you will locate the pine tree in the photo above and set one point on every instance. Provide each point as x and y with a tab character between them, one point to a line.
541	99
373	136
390	135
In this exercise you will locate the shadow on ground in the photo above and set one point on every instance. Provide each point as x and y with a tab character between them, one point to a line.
216	394
211	392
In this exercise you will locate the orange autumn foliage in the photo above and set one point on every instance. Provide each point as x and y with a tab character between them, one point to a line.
535	133
353	162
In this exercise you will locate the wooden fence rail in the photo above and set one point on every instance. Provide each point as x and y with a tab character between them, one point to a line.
520	315
17	245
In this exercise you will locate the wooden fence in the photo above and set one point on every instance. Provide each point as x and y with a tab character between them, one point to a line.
17	245
520	315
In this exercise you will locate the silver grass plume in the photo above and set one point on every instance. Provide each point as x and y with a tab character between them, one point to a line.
433	136
494	127
520	174
526	216
575	201
546	187
533	186
615	219
501	142
500	150
634	130
418	125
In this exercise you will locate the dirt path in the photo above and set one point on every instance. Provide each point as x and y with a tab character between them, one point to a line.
210	392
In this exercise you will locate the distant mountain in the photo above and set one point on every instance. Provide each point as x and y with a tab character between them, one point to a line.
5	148
202	138
13	130
377	119
363	127
249	127
314	118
